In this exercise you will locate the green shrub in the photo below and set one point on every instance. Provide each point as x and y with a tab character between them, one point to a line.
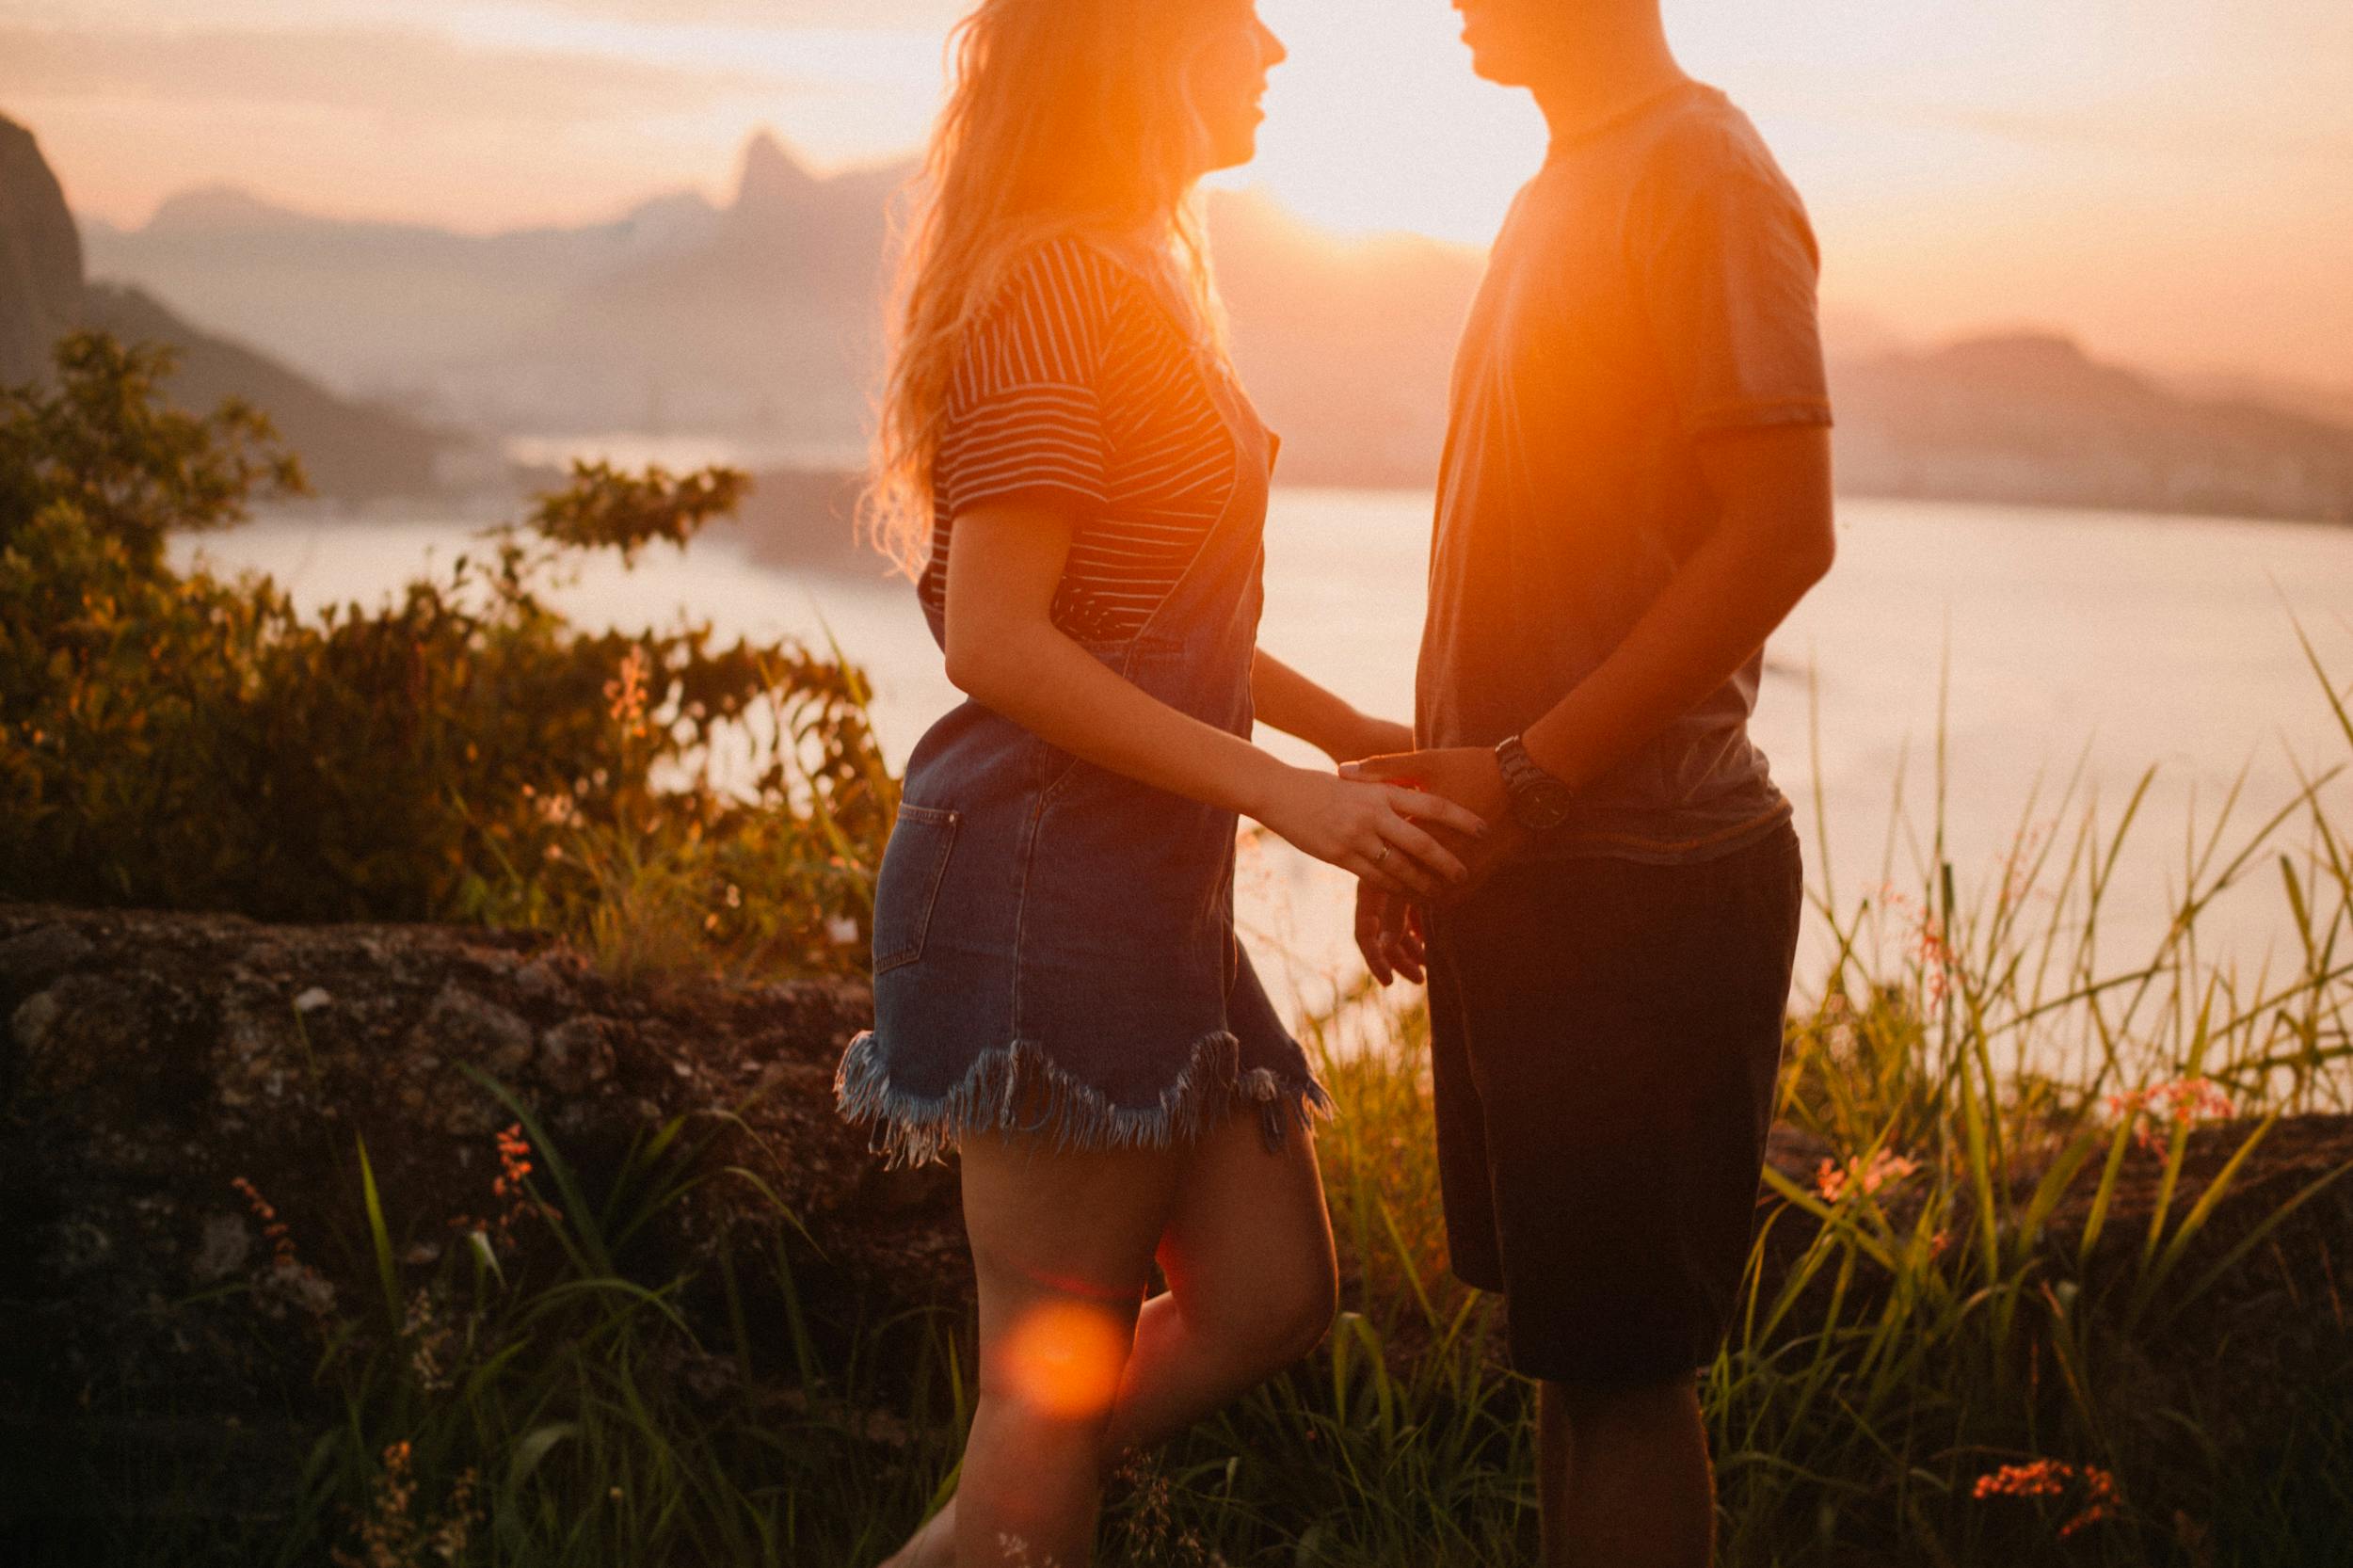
460	753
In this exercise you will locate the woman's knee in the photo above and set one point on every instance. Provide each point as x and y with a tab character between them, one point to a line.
1272	1317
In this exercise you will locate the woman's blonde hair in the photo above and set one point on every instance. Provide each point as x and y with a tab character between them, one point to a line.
1063	117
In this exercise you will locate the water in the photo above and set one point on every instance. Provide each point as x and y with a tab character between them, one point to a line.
2056	639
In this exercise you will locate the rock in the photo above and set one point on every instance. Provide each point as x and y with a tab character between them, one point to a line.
36	956
545	980
33	1021
576	1054
462	1023
150	1063
71	1031
226	1246
40	259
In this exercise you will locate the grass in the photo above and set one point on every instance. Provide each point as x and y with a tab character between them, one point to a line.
1959	1294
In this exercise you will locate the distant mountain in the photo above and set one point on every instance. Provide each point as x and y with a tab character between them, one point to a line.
377	309
351	451
763	322
758	320
2031	418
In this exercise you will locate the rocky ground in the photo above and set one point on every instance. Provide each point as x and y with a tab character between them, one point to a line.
149	1064
155	1066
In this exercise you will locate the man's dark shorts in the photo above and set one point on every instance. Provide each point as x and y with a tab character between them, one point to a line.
1605	1036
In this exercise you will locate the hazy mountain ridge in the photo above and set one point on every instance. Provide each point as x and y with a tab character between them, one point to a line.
2031	418
758	319
352	451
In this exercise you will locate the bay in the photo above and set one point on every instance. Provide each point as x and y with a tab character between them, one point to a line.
2038	645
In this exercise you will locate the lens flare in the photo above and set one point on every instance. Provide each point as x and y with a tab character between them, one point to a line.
1065	1359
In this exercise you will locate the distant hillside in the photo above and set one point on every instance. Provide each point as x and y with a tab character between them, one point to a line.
352	452
2032	418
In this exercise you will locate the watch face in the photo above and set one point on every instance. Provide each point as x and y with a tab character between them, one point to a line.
1542	806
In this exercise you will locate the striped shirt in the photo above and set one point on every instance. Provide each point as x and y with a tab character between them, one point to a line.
1076	389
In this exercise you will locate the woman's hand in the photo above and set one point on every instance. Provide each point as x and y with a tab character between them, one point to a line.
1466	777
1370	829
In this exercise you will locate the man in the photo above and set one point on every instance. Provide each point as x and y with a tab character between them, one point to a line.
1636	491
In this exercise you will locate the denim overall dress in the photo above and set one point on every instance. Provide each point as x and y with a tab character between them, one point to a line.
1054	946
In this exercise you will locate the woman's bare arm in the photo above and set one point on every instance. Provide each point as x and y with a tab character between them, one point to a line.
1288	701
1005	561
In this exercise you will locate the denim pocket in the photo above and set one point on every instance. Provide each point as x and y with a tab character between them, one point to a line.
913	864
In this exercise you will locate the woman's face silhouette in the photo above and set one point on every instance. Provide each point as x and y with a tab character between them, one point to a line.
1226	77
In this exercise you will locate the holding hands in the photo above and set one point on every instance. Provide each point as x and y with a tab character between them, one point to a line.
1374	830
1389	926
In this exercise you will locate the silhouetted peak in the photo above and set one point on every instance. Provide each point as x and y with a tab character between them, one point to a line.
2042	353
771	178
41	257
214	209
2051	364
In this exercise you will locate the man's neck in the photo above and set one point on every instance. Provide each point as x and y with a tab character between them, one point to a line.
1604	76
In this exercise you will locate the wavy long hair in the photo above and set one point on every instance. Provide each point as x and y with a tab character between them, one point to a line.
1063	117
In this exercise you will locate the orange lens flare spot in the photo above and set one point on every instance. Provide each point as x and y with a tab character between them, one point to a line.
1065	1359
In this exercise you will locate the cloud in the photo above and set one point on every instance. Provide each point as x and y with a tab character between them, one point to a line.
398	72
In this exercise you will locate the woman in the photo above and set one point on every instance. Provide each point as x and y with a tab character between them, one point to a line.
1068	466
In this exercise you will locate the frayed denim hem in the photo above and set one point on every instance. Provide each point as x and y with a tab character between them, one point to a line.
911	1130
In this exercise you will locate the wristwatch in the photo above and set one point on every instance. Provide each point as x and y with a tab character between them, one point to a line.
1540	802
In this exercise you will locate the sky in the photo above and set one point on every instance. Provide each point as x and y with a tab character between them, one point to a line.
2170	179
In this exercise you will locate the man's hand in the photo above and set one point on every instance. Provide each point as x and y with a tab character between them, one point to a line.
1472	779
1388	934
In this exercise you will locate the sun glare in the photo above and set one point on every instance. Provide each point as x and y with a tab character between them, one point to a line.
1376	122
1065	1359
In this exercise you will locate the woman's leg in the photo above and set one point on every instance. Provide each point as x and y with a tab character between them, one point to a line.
1252	1283
1247	1250
1062	1245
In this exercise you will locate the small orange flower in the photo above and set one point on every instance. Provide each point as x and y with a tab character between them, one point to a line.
2183	1103
509	1187
1887	1167
274	1230
625	694
2052	1478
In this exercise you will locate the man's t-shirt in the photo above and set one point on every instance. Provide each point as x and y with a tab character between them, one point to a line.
1654	283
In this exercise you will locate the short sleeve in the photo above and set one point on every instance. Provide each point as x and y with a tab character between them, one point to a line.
1728	268
1024	419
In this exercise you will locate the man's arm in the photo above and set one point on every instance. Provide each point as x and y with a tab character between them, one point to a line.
1773	540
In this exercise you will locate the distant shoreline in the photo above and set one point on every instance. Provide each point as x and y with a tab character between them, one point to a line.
782	498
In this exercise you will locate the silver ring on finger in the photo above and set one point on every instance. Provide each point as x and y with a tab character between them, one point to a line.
1382	855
